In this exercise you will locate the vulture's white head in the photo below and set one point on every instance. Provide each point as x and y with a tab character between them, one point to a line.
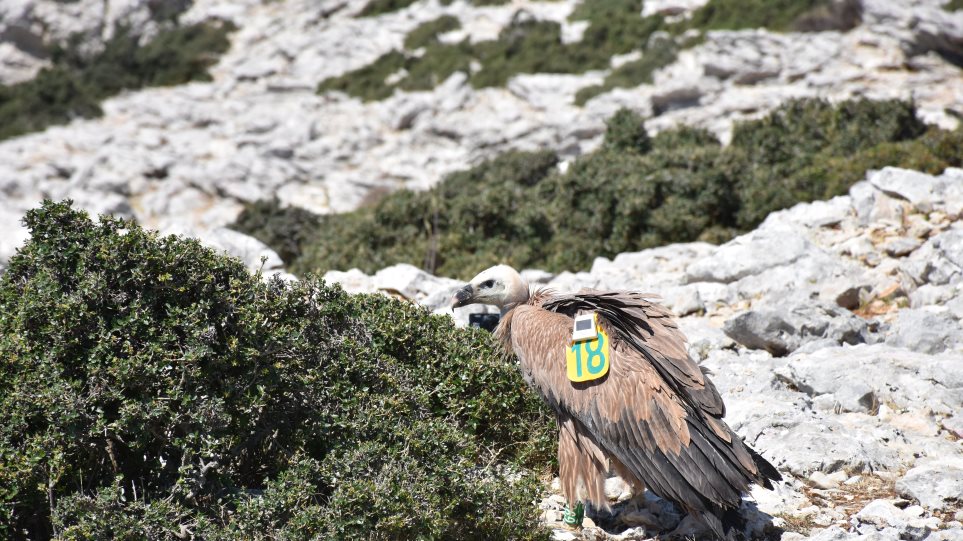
500	285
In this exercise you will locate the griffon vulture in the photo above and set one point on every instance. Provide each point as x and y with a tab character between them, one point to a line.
615	368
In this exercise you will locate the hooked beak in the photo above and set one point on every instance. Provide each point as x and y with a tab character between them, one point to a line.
462	297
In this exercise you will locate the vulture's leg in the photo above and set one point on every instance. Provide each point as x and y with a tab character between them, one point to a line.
582	466
572	517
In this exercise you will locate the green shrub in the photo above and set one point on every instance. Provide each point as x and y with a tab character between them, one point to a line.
804	133
379	7
428	32
368	82
454	227
953	5
75	85
633	73
625	131
285	229
153	389
738	14
632	193
615	27
524	46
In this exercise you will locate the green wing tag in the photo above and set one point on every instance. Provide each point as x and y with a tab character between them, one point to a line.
588	359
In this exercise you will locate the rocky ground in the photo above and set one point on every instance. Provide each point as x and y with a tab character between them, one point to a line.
833	332
185	159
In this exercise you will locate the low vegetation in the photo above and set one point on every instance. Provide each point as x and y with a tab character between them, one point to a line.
153	389
616	27
634	192
380	7
526	45
778	15
635	72
74	85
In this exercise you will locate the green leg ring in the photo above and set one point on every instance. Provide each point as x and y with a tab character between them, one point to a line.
573	517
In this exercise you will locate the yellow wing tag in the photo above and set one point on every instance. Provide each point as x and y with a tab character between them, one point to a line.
588	359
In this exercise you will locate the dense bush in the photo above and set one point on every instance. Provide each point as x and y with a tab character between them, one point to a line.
153	389
457	225
428	32
738	14
75	84
380	7
632	193
286	230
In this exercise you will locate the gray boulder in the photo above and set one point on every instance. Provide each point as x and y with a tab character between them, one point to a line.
920	189
823	445
896	376
908	521
766	247
415	284
939	261
781	331
937	483
925	331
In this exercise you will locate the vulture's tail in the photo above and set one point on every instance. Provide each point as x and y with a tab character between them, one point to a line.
767	471
726	524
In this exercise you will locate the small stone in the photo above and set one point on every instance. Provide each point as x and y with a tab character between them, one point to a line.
827	481
617	490
850	297
640	517
882	513
564	535
902	246
954	425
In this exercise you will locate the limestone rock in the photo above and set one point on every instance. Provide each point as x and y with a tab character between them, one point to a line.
28	28
412	282
936	483
892	375
926	331
750	254
352	281
822	445
780	331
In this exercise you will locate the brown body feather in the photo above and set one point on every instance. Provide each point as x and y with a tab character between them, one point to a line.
655	417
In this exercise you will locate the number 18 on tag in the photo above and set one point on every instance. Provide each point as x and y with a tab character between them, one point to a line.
587	357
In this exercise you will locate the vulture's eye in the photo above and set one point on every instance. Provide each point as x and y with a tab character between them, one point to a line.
488	283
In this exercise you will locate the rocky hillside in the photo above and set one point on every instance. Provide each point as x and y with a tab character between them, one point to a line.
187	158
833	332
832	327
